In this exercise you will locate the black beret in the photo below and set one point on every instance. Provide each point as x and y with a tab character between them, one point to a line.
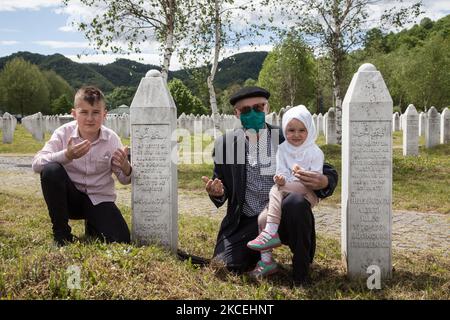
249	92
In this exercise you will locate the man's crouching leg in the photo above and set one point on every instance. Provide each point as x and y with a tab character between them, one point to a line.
297	230
232	250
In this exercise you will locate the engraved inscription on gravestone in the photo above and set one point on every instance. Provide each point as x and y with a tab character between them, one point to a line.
366	174
151	196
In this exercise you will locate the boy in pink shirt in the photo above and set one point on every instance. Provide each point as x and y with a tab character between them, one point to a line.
76	167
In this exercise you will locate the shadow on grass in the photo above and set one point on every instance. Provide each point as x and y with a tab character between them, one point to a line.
330	283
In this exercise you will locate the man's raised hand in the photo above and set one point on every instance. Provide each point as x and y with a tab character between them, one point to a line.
75	151
213	187
311	179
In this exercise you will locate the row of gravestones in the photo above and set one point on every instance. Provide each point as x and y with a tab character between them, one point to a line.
435	127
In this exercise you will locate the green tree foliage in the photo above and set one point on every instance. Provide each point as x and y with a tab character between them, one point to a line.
427	75
57	88
25	90
57	85
224	98
61	105
120	96
288	73
184	99
415	63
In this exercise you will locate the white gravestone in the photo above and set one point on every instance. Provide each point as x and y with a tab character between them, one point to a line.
8	126
38	127
331	136
314	118
153	117
367	174
433	122
411	132
319	124
395	122
422	123
445	126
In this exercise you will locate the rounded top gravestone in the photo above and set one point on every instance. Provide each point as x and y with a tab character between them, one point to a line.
153	73
367	67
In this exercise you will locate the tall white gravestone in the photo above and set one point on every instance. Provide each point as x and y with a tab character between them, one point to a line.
445	126
395	122
153	117
8	127
433	123
331	136
411	132
422	123
367	174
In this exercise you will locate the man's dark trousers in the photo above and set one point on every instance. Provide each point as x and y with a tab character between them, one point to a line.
296	230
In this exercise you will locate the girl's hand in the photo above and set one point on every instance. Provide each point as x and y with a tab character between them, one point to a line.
279	180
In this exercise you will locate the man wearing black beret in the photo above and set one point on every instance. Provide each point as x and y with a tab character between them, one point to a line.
244	165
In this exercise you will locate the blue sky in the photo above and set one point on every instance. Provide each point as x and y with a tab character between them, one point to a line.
43	26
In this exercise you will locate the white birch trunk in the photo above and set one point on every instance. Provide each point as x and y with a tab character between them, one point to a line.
217	46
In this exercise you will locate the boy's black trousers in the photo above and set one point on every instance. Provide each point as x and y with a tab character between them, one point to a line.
65	201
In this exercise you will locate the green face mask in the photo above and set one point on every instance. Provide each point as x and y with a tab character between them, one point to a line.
253	120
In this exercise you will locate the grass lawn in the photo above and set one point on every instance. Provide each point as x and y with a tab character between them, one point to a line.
32	268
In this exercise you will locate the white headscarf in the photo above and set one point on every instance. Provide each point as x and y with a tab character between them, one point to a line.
301	113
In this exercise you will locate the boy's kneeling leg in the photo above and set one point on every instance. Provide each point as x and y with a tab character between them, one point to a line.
106	221
57	189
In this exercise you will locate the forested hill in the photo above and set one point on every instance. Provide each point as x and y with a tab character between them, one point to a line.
233	70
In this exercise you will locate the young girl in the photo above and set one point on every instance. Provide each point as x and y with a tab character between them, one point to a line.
298	152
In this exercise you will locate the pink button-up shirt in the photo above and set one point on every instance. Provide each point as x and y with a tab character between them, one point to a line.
92	173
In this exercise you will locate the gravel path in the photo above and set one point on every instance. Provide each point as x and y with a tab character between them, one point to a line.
412	231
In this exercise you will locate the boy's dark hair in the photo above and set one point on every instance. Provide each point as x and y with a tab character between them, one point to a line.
90	94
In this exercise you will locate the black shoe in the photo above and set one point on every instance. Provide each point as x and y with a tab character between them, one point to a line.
304	282
62	241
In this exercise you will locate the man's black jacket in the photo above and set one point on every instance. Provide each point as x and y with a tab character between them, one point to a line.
229	167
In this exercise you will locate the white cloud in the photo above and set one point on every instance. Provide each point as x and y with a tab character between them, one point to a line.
145	58
436	9
231	51
7	30
13	5
8	42
62	44
67	29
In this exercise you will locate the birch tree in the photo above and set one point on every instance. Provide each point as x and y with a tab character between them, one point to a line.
123	26
335	27
217	24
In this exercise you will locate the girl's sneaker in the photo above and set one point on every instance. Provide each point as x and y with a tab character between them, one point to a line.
264	241
263	269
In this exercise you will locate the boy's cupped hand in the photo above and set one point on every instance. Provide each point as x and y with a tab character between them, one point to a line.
120	160
75	151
